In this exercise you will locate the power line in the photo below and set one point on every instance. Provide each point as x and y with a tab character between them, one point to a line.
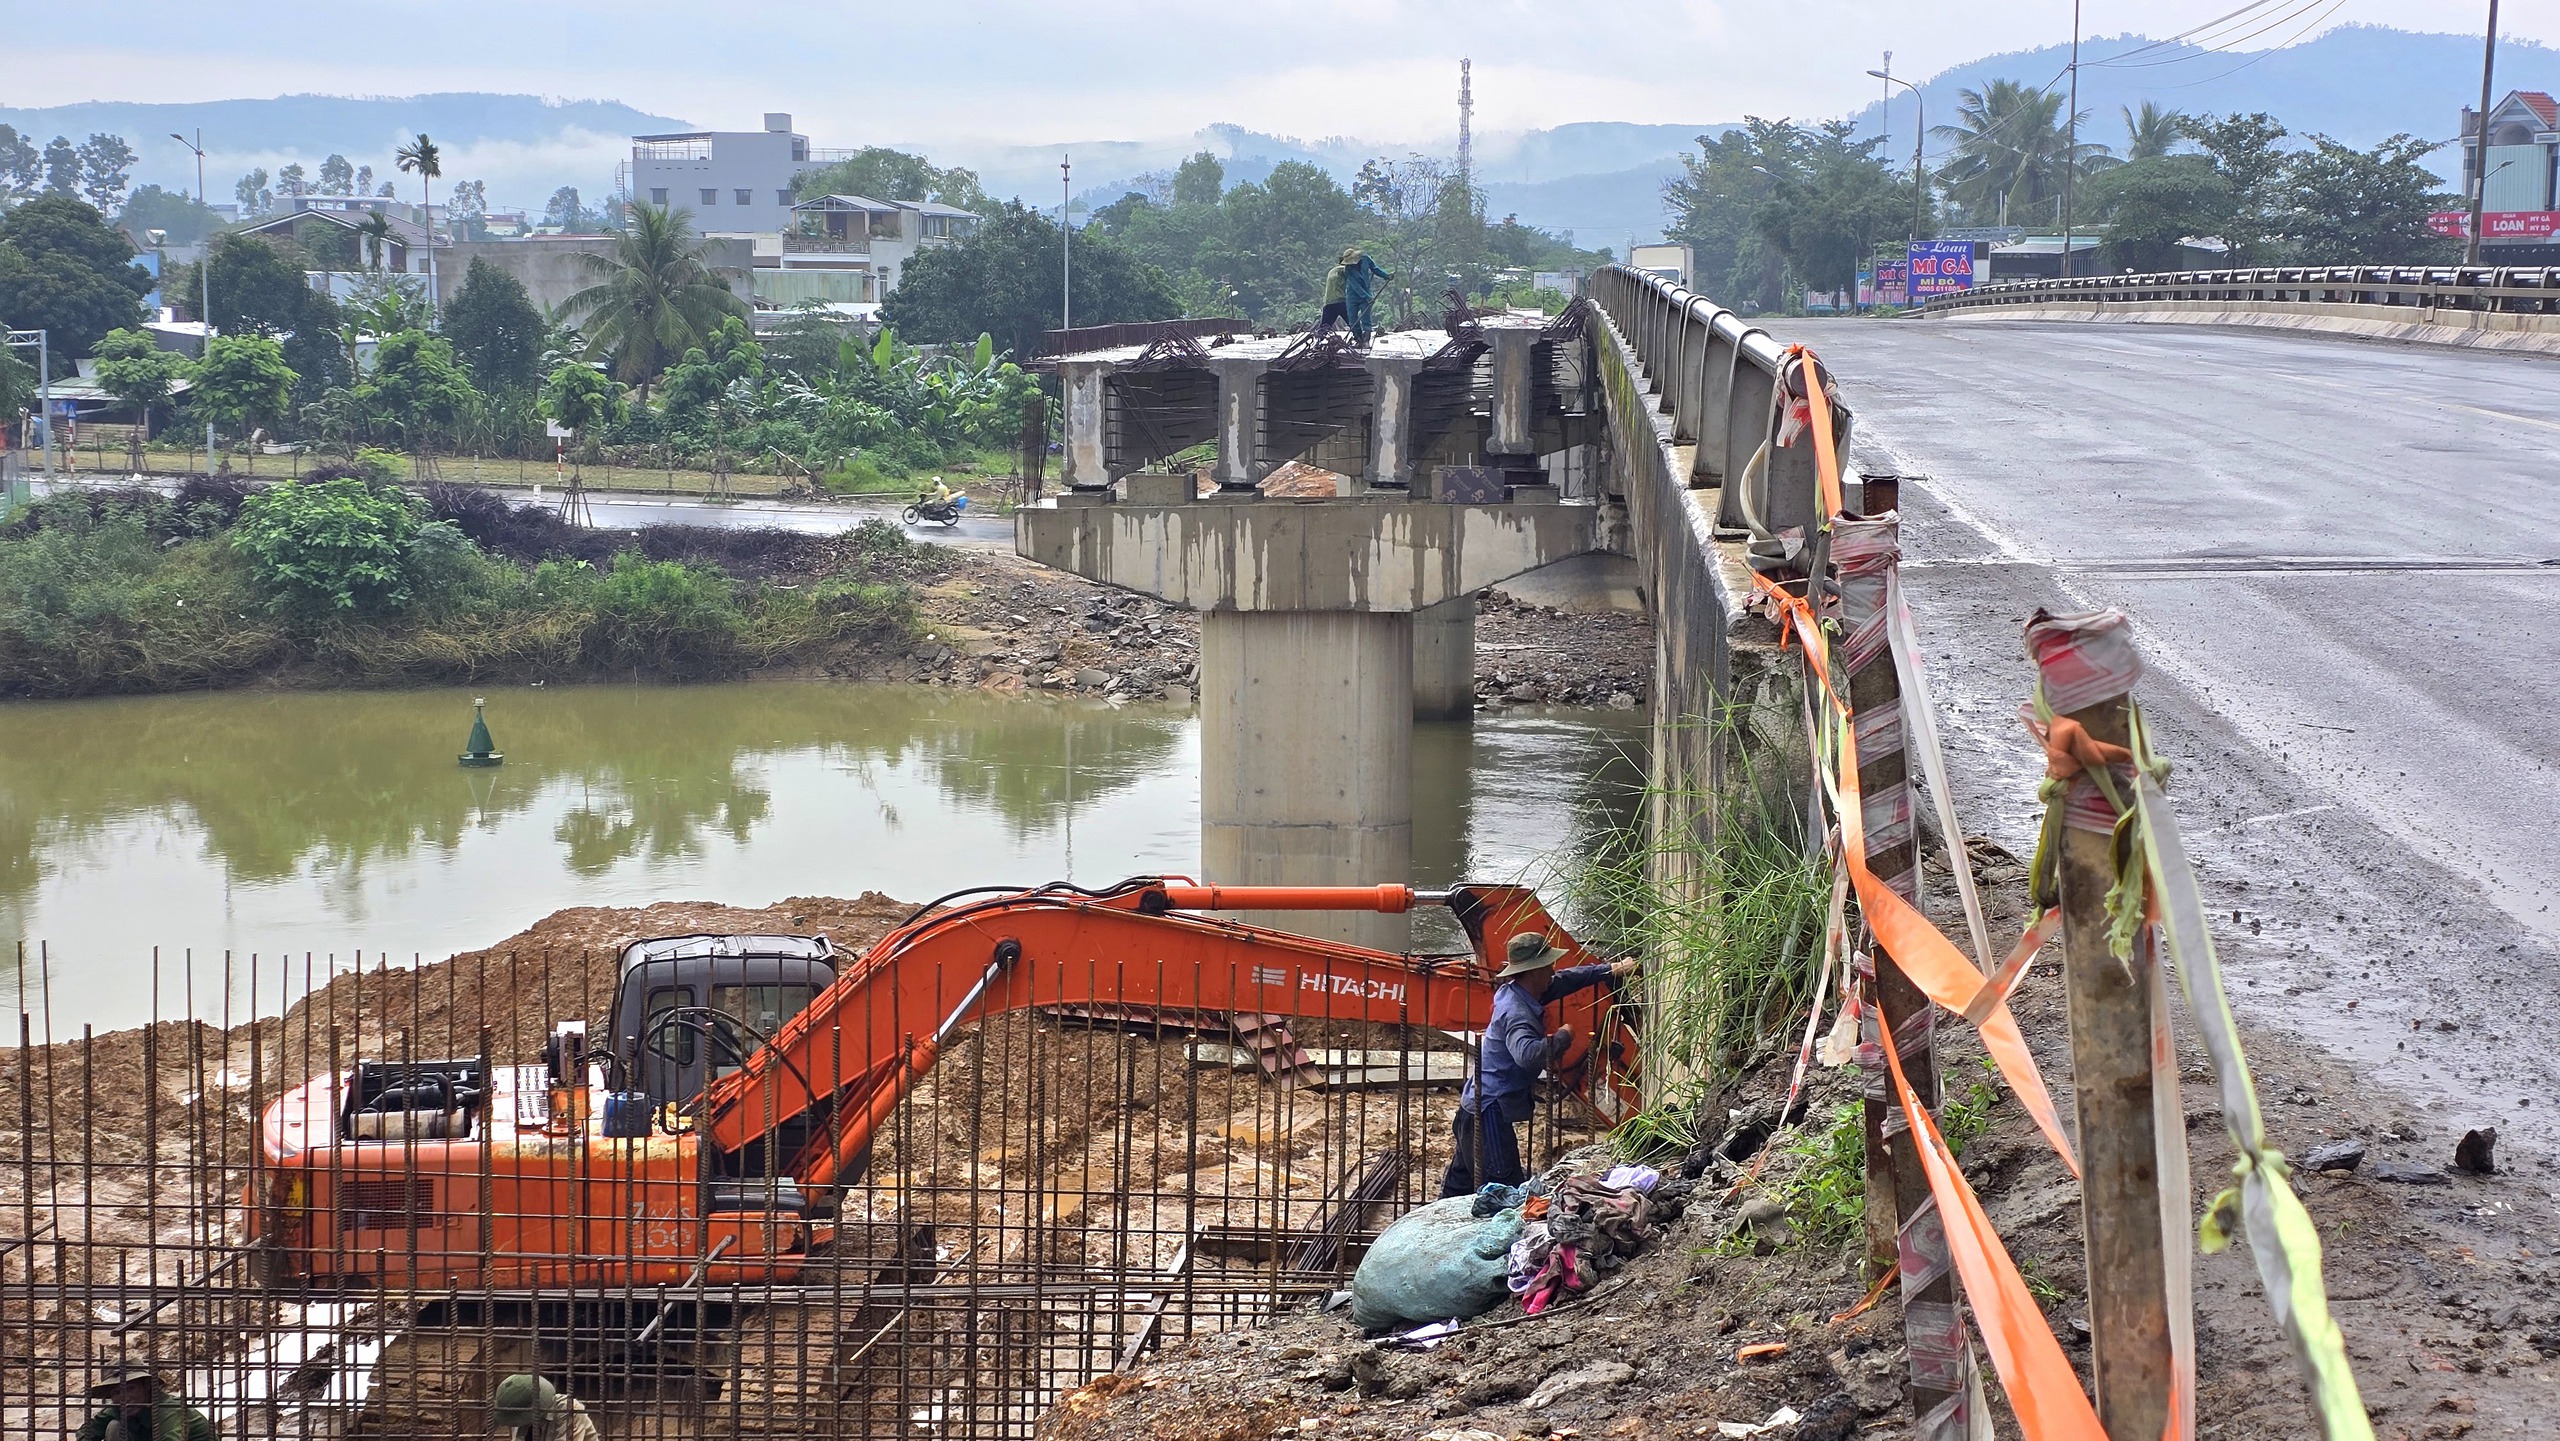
2189	34
2263	54
2119	62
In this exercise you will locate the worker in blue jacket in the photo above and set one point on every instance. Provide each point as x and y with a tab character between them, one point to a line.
1516	1047
1360	278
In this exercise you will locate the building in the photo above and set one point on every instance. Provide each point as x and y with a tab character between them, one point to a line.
551	268
2520	213
348	246
736	182
845	251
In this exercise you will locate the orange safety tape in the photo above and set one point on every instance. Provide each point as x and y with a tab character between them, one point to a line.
1926	956
1826	452
2041	1386
1995	991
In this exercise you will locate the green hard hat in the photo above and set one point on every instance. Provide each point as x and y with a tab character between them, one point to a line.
524	1400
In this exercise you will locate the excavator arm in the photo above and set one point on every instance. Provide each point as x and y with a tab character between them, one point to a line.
810	1100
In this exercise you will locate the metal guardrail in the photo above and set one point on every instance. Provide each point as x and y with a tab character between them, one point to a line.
2478	289
1716	375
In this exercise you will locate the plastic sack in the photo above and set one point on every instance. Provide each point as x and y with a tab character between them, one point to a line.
1436	1262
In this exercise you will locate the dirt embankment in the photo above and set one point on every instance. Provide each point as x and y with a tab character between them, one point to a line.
2443	1284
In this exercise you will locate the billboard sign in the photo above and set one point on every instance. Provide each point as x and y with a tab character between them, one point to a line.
1940	267
2498	224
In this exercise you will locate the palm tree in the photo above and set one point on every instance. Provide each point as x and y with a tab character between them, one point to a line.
376	232
2152	132
2011	145
422	156
654	297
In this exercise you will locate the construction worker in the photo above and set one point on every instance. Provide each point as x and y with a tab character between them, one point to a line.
1360	277
141	1407
536	1411
1516	1047
1336	286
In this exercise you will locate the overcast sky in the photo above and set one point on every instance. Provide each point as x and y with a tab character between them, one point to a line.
1037	70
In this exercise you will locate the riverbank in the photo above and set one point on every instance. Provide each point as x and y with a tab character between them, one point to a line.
131	591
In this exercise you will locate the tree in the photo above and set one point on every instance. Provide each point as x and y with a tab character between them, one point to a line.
292	181
2150	205
337	176
106	164
1716	201
2012	148
375	233
655	296
1200	180
879	173
134	369
185	218
242	383
583	400
2151	133
416	388
566	210
257	290
252	194
1830	208
62	168
1428	225
495	328
330	547
20	387
467	218
21	167
2244	152
1270	244
422	156
1003	281
2345	206
64	270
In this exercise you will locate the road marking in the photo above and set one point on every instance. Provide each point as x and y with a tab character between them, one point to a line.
2502	414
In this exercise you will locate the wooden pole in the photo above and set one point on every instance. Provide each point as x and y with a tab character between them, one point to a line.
1866	551
2110	1003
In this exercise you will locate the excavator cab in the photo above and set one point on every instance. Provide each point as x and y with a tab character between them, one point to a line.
688	1009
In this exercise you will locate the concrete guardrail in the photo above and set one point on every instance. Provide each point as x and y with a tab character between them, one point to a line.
2494	307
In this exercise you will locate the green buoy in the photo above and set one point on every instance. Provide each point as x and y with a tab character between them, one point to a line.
480	752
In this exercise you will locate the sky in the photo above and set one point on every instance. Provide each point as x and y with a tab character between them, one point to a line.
1013	71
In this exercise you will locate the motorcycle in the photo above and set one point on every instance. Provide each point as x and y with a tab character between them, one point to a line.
942	513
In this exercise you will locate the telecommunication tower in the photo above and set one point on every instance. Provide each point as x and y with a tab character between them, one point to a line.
1466	123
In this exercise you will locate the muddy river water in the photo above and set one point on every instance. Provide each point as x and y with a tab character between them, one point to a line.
333	823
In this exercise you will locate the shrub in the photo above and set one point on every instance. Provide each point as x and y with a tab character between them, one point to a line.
337	546
380	466
661	615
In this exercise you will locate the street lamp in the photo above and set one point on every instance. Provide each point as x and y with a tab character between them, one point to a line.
204	272
1919	138
1066	250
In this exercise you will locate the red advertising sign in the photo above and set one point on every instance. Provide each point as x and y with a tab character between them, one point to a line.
2498	224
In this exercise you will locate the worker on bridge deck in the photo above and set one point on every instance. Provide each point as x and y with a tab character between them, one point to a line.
1516	1047
536	1411
1360	277
141	1407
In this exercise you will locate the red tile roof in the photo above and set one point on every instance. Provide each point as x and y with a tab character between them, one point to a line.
2541	103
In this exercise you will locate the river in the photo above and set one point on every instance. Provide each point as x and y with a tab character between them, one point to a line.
333	823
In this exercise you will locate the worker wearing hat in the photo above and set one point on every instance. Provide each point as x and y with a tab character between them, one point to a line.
536	1411
142	1407
1515	1049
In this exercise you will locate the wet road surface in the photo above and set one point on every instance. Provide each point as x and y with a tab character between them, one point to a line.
2342	559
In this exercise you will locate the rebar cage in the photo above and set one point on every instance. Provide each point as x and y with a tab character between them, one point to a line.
1068	1189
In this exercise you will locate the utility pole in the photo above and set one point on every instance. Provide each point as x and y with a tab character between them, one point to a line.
2071	140
204	273
42	340
2480	139
1066	250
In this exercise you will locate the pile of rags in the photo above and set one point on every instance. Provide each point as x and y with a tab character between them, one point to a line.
1576	1229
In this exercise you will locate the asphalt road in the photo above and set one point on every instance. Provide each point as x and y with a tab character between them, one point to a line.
2342	559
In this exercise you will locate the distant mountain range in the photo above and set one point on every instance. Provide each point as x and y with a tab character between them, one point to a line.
1600	180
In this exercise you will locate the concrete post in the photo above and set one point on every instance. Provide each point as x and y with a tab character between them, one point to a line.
1080	382
1444	661
1306	759
1515	347
1239	408
1391	418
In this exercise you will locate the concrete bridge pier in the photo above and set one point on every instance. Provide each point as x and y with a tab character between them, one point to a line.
1444	660
1306	757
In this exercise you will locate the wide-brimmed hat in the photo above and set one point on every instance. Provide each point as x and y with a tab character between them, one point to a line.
1350	253
524	1400
129	1371
1529	951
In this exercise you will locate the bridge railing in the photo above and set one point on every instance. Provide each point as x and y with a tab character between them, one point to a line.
1716	375
2487	289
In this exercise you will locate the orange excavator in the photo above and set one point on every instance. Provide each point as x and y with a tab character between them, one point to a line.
742	1080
